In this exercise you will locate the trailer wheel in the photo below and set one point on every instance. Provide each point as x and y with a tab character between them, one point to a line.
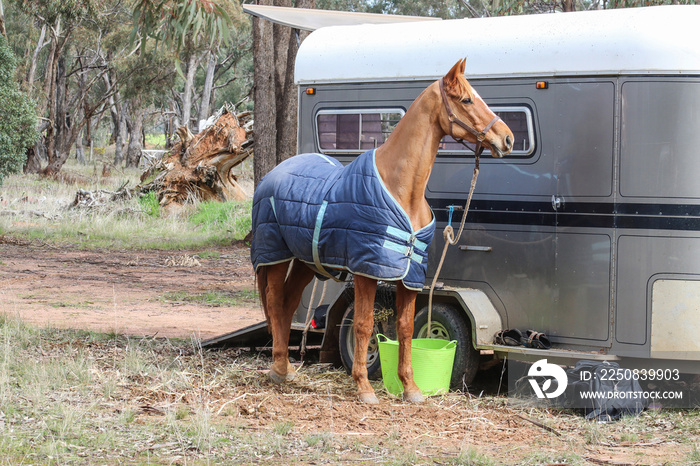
385	323
449	323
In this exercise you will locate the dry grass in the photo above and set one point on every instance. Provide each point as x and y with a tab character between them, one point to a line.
73	397
40	208
76	397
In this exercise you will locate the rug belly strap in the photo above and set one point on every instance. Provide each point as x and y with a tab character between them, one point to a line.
314	243
405	250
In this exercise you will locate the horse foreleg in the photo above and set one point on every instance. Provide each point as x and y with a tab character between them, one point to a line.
406	308
365	290
282	298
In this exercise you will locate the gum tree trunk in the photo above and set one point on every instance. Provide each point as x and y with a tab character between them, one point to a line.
189	86
133	151
275	48
204	110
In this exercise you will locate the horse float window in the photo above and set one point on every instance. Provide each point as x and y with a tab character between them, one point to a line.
518	119
354	130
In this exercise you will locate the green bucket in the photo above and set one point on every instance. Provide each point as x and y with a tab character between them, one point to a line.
431	359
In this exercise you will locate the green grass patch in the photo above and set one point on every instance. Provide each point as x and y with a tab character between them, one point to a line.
155	141
283	428
211	298
210	255
150	205
694	455
234	217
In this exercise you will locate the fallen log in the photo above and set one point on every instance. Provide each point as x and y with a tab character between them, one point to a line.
201	166
99	197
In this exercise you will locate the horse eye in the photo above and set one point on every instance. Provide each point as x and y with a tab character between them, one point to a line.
467	101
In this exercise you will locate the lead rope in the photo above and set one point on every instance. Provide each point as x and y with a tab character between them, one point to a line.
309	315
450	239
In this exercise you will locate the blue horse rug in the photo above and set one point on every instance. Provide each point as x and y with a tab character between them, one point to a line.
337	219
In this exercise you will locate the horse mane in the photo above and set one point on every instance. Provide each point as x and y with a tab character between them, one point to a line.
463	88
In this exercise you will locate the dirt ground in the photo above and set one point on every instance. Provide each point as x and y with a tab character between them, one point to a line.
126	292
129	292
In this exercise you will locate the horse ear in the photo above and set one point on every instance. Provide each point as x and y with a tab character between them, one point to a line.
457	70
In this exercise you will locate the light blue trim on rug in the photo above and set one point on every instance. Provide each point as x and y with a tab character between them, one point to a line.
272	202
409	238
401	249
314	242
326	158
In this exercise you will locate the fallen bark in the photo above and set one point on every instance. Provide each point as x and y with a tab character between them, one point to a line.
201	166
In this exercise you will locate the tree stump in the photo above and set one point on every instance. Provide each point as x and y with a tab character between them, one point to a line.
200	166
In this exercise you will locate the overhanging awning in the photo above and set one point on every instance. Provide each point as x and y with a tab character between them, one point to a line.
310	20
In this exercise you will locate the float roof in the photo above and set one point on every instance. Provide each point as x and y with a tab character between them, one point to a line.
650	40
310	20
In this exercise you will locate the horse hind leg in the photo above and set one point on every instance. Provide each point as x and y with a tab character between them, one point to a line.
297	278
270	286
365	290
282	287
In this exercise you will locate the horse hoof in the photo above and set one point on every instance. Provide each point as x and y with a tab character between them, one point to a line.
279	378
413	397
369	398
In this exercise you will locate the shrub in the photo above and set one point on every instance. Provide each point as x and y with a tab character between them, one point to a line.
18	122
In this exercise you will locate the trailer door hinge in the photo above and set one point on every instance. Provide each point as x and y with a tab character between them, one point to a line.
557	203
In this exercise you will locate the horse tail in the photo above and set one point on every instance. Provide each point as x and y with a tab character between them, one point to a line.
261	282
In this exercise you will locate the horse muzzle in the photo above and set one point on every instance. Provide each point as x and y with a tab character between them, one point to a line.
502	147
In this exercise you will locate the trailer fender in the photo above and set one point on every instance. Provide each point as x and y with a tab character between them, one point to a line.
485	319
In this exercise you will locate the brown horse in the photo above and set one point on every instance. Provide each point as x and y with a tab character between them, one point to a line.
404	162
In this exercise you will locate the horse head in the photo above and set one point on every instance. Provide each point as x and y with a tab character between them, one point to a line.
469	118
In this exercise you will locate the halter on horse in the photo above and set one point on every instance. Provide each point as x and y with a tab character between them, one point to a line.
402	167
